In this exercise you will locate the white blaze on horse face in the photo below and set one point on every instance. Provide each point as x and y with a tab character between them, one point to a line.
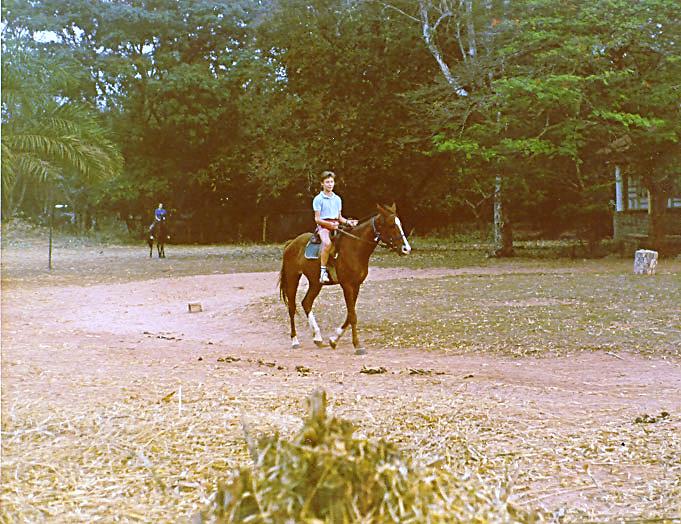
316	332
406	248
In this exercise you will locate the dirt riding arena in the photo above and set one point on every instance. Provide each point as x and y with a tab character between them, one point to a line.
120	405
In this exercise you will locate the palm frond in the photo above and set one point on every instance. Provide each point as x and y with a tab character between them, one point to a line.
44	133
7	169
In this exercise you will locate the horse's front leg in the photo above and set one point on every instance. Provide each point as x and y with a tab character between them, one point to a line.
340	331
352	316
151	248
350	293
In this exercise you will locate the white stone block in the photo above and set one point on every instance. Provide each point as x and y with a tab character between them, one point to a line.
645	262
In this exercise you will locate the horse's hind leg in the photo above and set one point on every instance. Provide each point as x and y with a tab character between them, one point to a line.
291	290
312	292
151	247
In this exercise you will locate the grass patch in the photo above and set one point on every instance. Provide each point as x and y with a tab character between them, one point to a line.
529	314
516	313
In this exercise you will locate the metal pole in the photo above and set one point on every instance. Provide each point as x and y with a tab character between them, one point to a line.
49	258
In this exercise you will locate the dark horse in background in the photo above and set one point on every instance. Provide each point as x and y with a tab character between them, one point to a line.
158	232
354	247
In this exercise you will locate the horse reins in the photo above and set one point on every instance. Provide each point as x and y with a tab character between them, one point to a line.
343	231
377	236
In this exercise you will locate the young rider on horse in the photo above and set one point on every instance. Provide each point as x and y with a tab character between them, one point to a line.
327	214
159	214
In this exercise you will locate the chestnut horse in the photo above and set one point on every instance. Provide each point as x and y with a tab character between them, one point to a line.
354	247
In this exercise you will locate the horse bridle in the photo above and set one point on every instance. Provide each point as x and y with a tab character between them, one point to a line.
378	239
390	243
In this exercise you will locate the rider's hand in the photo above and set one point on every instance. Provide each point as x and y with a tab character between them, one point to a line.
353	222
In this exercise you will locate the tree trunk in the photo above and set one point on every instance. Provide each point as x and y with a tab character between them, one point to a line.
428	33
470	27
657	208
503	233
86	220
16	203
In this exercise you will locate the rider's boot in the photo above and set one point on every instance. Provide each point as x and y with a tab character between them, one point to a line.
324	276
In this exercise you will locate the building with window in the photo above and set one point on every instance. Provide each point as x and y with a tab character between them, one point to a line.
632	209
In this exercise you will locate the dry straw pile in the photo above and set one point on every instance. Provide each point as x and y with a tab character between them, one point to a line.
326	475
160	457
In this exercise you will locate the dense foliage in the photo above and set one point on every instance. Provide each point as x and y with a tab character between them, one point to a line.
54	145
228	111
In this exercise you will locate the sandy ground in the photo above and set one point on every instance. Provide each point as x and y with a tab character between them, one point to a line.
68	344
77	333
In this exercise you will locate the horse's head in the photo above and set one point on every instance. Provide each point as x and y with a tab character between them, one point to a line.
388	229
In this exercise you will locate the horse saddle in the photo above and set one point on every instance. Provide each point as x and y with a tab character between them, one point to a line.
314	247
313	250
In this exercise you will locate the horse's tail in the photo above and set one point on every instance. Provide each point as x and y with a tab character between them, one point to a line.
282	285
282	275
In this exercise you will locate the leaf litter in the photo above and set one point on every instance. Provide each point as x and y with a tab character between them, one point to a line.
145	460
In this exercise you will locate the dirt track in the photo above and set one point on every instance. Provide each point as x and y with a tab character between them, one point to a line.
80	346
110	330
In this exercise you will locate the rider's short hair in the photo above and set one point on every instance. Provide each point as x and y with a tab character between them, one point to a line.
327	174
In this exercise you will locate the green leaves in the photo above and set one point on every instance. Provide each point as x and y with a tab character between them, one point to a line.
45	134
206	99
628	119
528	146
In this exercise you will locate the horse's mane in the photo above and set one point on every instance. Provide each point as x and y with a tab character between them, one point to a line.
362	220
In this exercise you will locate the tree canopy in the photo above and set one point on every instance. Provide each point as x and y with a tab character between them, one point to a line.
228	111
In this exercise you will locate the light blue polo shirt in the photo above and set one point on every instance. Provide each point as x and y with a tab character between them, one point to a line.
328	206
